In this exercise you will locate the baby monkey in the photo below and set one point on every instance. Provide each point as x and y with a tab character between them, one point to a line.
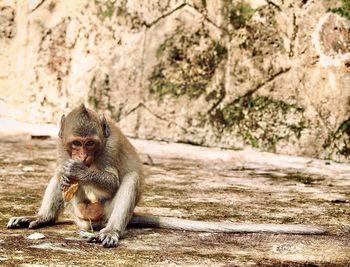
99	179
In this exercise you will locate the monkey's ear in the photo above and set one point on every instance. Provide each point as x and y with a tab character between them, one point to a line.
60	133
105	127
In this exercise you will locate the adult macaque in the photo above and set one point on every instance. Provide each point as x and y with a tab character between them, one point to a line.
99	179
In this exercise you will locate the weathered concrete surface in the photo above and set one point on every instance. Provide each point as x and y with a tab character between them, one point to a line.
188	182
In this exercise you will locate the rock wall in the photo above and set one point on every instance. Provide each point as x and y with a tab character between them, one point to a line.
273	75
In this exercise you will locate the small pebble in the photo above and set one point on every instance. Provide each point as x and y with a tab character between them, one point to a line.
35	236
28	169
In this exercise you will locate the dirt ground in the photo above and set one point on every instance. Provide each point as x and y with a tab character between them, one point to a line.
188	182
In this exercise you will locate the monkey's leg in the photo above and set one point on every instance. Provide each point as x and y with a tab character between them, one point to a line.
51	206
122	208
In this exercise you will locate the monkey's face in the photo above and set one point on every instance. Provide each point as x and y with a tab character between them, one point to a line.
84	148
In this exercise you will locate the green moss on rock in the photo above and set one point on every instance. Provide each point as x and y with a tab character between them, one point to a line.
262	121
344	10
99	96
345	127
237	14
187	63
106	8
338	143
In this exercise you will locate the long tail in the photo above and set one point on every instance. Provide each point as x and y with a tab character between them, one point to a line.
218	227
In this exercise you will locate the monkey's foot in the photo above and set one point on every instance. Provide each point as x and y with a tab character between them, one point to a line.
29	222
108	238
19	222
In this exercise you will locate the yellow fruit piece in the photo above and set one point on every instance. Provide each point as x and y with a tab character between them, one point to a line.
68	192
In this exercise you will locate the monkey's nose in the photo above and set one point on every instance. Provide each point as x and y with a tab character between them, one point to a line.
84	158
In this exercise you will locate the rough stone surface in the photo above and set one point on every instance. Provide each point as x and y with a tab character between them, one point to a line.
272	75
194	183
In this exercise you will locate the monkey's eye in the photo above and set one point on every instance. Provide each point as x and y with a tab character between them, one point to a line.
76	143
90	143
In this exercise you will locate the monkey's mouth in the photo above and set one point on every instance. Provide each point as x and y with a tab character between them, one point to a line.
87	164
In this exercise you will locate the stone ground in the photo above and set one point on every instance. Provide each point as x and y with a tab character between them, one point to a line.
188	182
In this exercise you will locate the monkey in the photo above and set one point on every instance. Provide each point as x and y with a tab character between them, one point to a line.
97	159
95	154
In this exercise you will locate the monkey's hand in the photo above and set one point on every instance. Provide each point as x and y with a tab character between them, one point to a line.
19	222
66	182
108	238
33	222
75	168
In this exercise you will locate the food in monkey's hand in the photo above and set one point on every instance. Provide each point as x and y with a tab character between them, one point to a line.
85	210
68	192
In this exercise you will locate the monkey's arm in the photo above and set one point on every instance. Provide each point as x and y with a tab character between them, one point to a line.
51	206
122	208
106	180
